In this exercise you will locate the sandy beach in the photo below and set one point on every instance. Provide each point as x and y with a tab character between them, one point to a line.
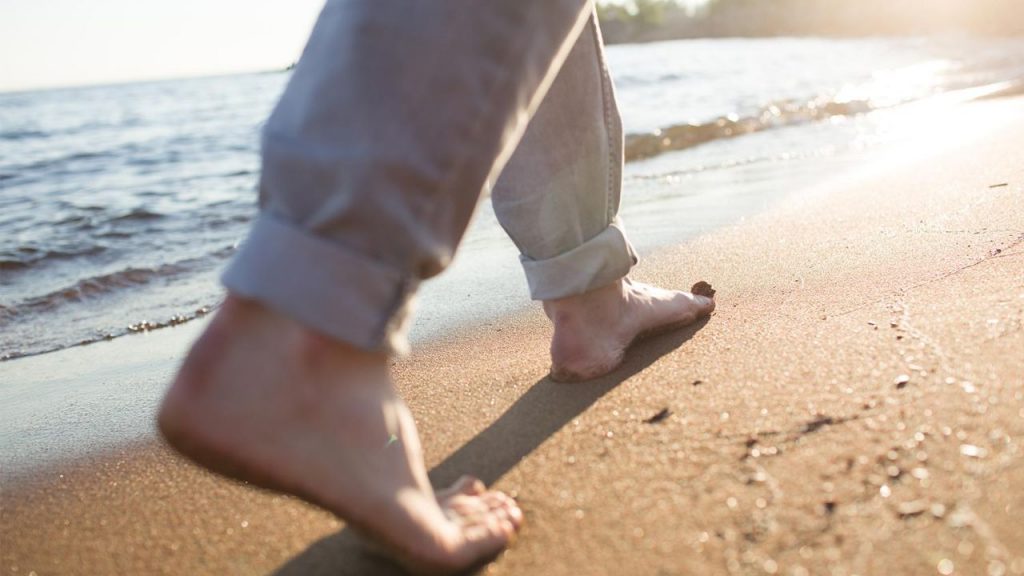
854	406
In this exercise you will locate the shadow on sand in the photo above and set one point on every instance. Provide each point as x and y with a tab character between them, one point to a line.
543	410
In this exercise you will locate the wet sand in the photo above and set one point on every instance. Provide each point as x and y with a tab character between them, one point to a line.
854	406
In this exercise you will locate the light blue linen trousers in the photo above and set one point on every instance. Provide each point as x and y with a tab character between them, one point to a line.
399	116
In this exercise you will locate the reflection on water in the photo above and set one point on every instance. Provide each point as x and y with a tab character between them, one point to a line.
118	204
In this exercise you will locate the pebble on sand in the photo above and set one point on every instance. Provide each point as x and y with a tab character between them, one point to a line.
972	451
912	508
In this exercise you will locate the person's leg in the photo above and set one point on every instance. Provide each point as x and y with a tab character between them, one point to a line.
558	198
396	117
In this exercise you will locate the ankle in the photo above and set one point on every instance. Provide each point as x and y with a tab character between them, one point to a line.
314	350
592	305
307	346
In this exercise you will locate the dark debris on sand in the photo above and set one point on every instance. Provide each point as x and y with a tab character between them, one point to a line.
663	414
702	288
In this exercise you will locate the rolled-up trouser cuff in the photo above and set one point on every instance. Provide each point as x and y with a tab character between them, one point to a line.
597	262
323	286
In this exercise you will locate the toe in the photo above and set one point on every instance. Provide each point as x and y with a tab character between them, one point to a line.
472	545
462	546
462	509
506	507
490	535
700	305
468	485
465	510
498	500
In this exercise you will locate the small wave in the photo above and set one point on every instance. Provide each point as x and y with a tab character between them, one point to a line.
627	80
724	165
9	264
15	135
150	161
95	286
114	234
137	215
682	136
79	222
28	256
177	319
225	252
102	285
54	163
83	156
134	328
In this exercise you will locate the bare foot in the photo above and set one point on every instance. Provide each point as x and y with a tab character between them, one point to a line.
264	400
593	330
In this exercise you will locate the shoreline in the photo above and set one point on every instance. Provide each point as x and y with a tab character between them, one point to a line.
789	441
640	150
139	267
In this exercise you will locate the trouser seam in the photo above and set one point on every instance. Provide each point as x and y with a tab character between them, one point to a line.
606	107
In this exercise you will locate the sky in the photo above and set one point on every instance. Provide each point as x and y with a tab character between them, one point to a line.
49	43
53	43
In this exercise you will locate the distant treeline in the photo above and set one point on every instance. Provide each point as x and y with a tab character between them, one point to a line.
650	20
